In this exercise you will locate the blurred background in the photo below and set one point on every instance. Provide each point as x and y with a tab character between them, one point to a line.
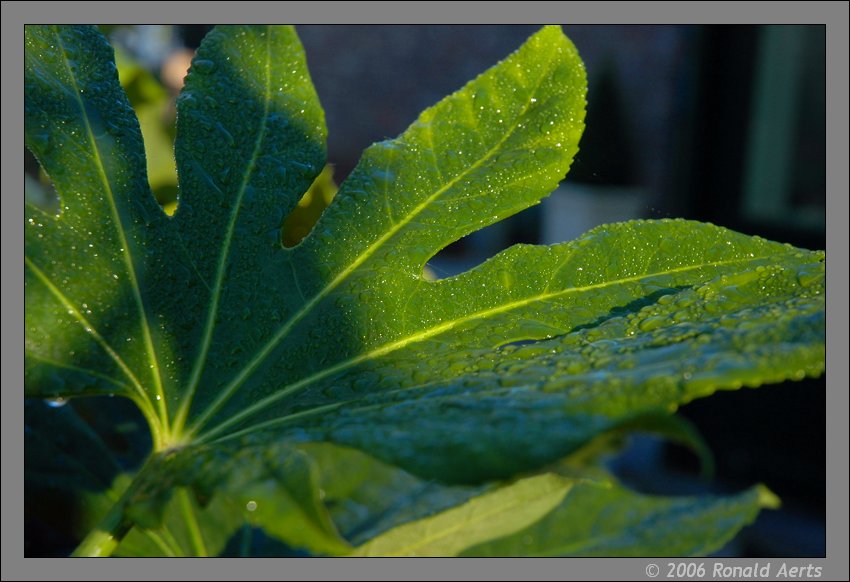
724	124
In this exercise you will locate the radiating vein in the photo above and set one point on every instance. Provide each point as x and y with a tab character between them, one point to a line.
264	352
87	371
125	249
87	326
215	296
437	330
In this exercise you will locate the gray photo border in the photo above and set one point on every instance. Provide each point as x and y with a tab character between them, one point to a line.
14	14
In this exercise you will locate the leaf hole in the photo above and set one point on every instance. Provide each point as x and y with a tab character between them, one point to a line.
306	213
476	248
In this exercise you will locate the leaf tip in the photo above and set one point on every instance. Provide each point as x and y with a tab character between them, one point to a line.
766	498
552	29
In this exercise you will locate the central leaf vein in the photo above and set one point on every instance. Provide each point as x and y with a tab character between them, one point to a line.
436	331
215	296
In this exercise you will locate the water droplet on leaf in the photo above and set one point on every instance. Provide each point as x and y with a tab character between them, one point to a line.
204	66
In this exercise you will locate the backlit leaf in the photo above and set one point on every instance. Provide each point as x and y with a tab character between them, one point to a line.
238	348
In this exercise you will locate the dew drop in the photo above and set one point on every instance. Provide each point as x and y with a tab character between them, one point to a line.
227	135
251	505
651	323
57	402
204	66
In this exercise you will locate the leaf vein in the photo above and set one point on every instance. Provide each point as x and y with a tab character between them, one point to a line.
435	331
119	226
86	324
266	350
215	295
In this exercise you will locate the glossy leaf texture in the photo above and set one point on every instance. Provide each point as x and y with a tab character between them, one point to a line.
725	311
238	348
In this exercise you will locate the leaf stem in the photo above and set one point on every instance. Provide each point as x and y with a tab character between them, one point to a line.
105	537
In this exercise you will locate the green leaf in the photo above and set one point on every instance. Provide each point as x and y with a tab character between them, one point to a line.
567	511
188	530
366	497
495	514
642	342
278	489
274	487
237	348
81	327
612	521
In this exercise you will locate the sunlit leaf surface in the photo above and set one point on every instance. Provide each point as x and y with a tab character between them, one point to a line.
237	347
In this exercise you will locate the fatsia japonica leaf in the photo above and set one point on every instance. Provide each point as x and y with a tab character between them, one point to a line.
239	344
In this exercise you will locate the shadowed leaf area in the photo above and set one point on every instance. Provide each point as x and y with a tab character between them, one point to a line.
264	354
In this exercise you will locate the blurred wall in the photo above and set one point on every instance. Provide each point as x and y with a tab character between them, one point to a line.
374	80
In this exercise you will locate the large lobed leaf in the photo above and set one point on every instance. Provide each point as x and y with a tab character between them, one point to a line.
233	344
